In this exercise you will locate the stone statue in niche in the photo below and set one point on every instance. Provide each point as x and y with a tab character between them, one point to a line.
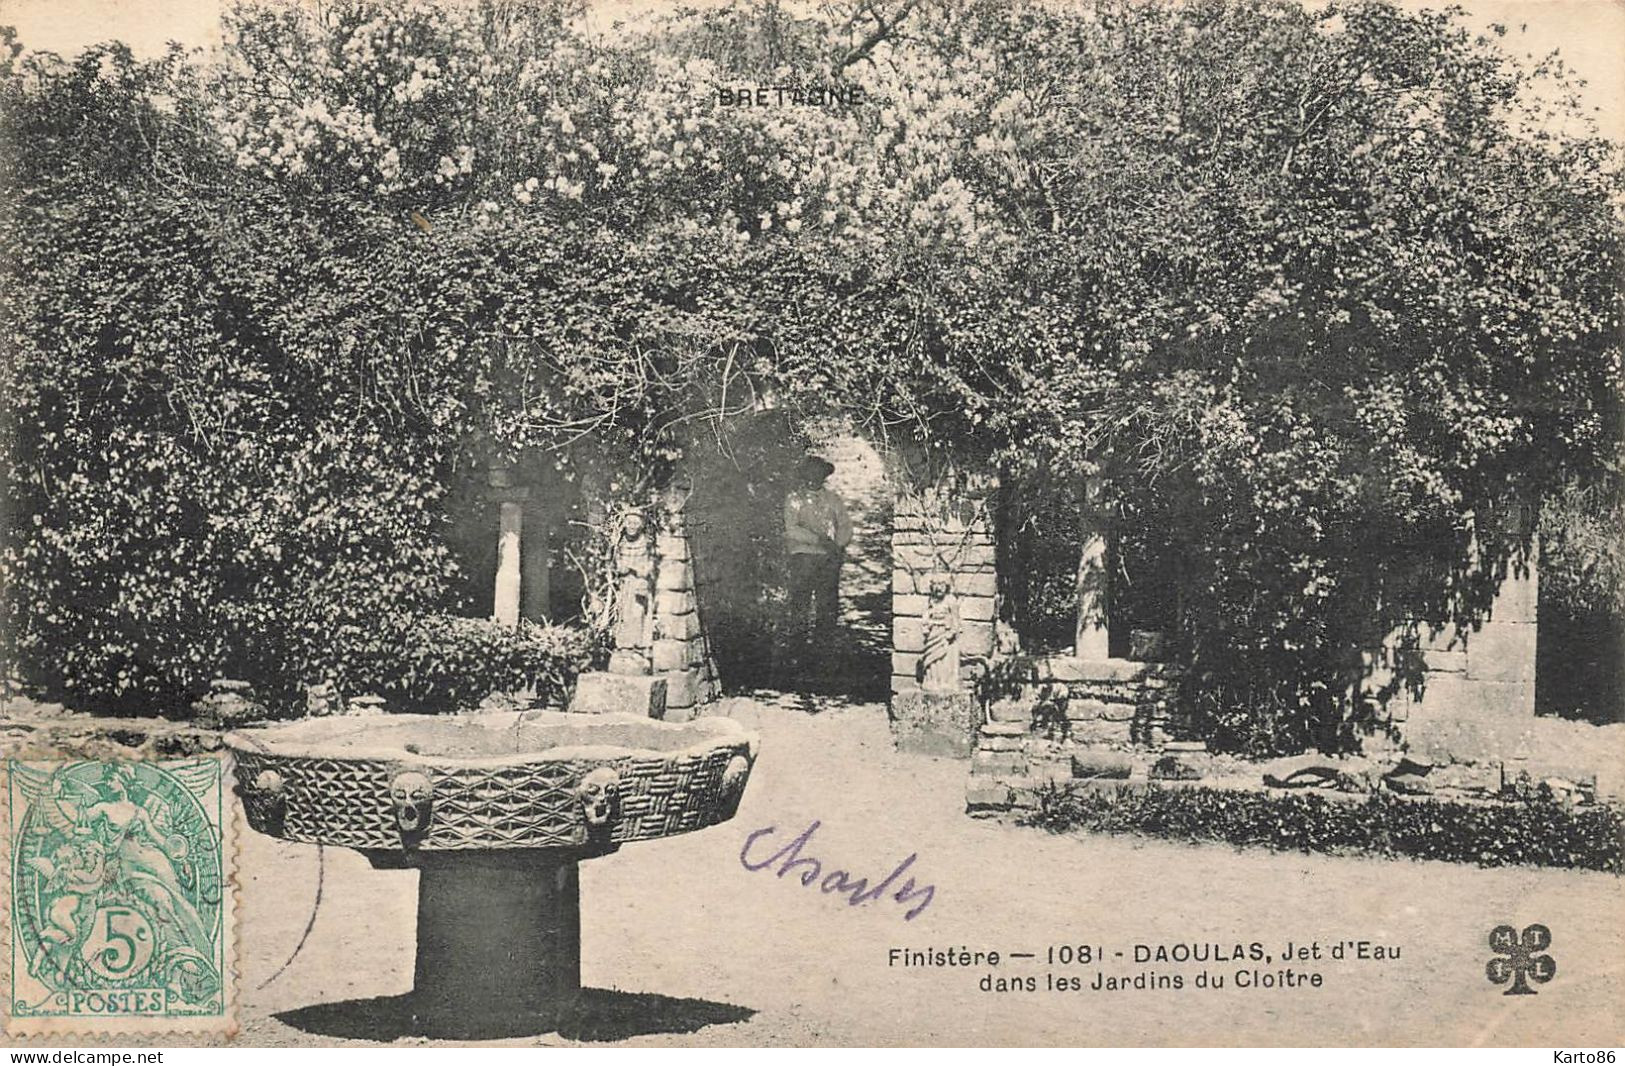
634	596
939	660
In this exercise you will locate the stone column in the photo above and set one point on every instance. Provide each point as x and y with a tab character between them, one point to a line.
510	498
535	582
1091	639
506	602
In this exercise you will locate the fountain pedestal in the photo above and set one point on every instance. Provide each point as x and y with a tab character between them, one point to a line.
498	939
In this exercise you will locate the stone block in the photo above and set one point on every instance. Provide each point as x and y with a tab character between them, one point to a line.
670	603
974	554
1102	764
598	692
1025	798
672	547
1069	668
933	723
987	795
1502	651
998	762
1445	662
907	634
1119	712
916	558
1004	729
1101	731
976	638
677	627
976	584
629	661
901	683
683	688
670	654
1083	710
913	606
905	664
1001	743
674	577
1011	712
977	608
1446	637
1462	695
1518	598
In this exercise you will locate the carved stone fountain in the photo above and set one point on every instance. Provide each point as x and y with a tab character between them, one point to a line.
495	811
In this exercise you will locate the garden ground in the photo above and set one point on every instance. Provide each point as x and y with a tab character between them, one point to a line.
683	945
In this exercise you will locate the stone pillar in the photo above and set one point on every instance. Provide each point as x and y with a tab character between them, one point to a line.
674	675
535	582
1091	640
506	602
680	653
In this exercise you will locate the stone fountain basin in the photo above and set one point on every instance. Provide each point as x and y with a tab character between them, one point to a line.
583	784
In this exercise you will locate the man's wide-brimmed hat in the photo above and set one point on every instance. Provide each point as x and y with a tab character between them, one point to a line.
815	468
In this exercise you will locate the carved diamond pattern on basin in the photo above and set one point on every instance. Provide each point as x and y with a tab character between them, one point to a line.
338	802
527	806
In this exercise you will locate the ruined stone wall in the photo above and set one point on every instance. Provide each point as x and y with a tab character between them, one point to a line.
1474	680
1048	708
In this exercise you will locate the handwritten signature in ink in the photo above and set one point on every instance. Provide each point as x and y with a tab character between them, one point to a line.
810	871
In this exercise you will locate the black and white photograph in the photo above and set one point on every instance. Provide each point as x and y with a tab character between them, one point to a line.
812	524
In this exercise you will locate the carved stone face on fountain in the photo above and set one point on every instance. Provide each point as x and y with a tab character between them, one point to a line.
733	781
600	795
412	794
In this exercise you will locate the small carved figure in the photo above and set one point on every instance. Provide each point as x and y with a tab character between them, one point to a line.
600	795
939	660
634	595
412	794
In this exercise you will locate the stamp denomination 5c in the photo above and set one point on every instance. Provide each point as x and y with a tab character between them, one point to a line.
121	887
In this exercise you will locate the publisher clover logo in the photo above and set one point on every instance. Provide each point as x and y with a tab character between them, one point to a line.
1524	958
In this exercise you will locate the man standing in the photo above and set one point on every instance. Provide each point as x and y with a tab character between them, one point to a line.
816	533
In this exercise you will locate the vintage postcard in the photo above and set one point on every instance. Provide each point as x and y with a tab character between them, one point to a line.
1023	523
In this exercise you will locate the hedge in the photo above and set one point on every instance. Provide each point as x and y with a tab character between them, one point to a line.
451	664
1539	832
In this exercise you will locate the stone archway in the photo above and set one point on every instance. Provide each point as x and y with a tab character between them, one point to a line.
735	517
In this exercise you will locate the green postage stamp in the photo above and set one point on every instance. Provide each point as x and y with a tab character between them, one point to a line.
121	897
